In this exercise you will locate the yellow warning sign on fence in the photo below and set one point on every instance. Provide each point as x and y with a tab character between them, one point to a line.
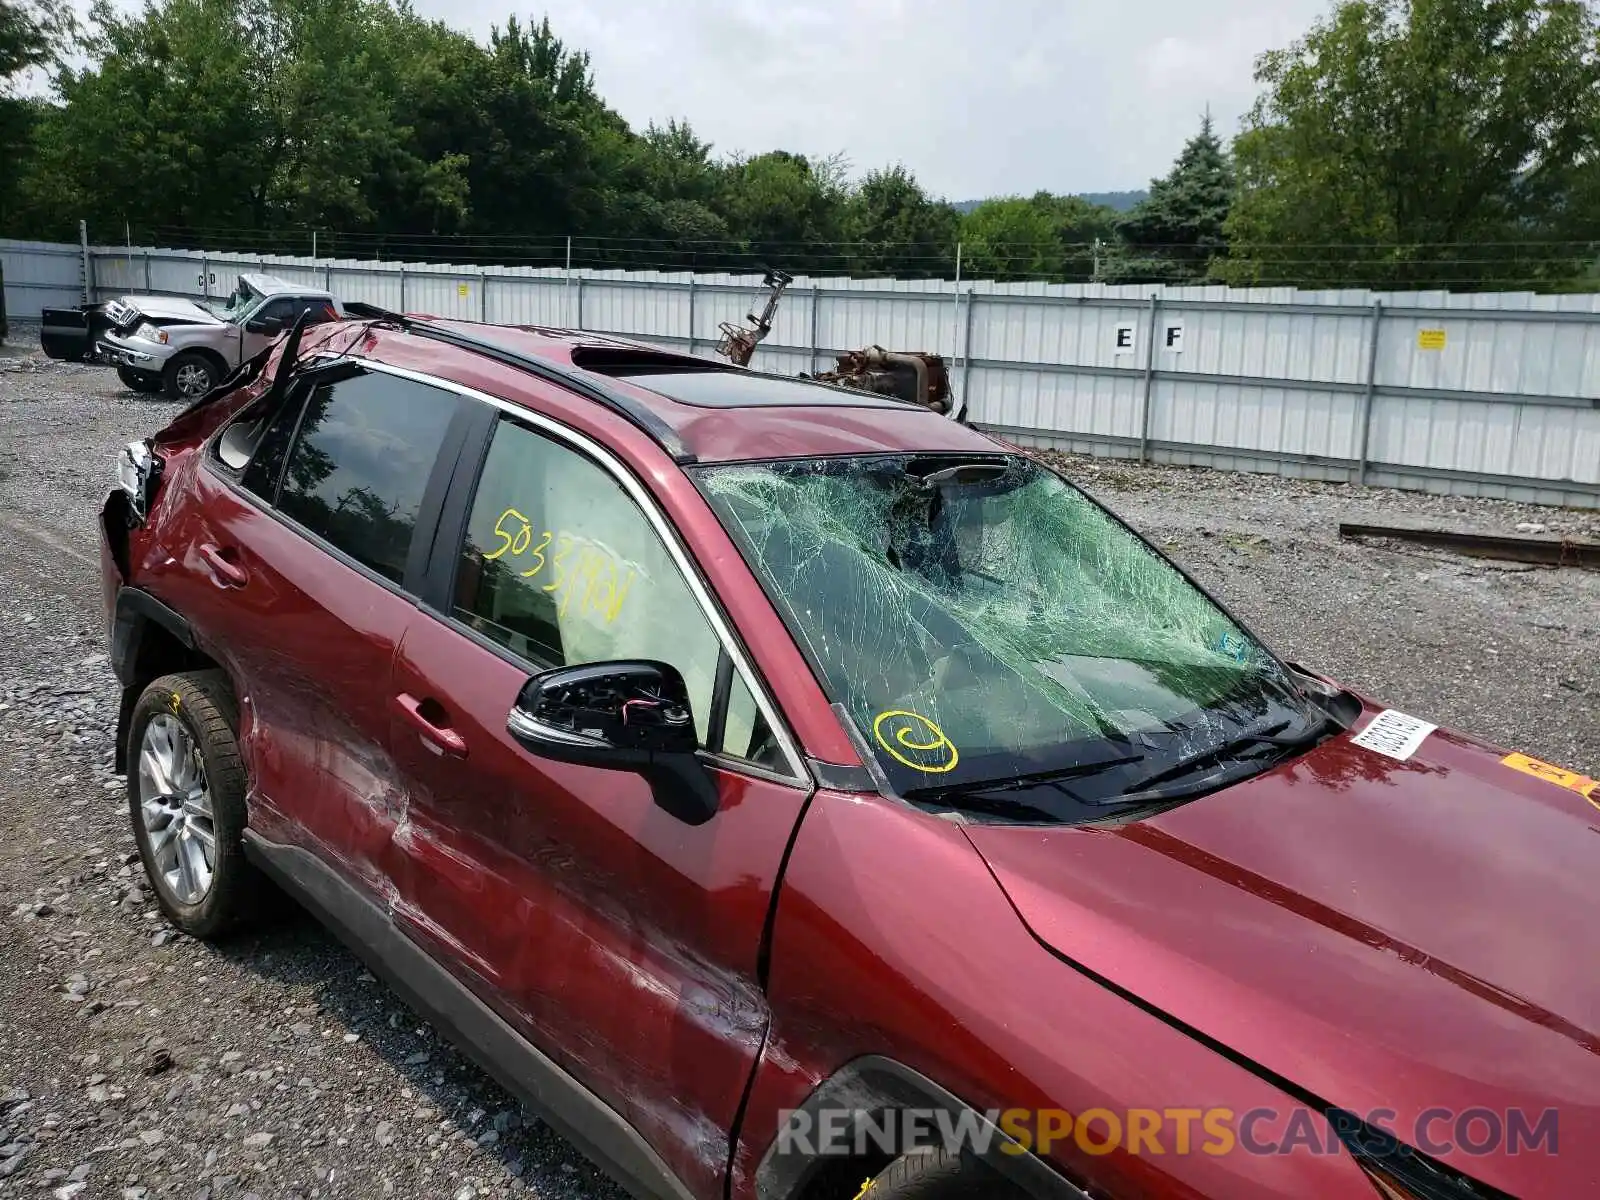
1430	339
461	290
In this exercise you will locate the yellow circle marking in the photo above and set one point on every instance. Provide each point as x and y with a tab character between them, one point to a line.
906	736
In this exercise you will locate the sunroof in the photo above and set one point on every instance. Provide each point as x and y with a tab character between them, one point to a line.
734	388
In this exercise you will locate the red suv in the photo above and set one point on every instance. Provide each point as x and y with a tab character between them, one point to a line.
791	792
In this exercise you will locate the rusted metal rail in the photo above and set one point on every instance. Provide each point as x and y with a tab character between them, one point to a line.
1555	552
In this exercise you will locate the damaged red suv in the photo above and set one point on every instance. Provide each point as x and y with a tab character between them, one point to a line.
791	793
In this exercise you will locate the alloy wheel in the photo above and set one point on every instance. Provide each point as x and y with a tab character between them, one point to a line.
175	806
193	380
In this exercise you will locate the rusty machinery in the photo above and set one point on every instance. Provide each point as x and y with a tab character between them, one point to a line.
918	377
914	376
738	342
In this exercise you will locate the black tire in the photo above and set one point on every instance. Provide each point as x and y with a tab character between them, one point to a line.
182	379
203	703
147	382
939	1174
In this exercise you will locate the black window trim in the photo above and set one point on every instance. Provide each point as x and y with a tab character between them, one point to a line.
427	523
434	593
721	695
297	393
439	588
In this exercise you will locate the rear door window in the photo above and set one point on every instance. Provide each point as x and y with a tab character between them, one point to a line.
360	463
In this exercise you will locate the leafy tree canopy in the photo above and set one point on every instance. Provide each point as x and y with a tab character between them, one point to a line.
1399	143
1420	141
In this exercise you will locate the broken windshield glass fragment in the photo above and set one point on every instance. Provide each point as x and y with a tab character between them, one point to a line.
984	620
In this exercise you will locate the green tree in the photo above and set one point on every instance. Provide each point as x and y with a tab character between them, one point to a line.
1083	234
1058	238
237	115
1418	143
329	89
1008	239
784	208
172	113
675	164
541	172
896	228
1174	233
32	34
507	141
659	196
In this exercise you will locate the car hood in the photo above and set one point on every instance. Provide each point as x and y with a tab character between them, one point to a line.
1382	934
169	308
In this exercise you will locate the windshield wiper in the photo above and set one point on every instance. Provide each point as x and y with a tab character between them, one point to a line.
997	806
1262	735
982	787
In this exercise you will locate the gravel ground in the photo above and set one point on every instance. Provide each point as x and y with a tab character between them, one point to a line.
135	1062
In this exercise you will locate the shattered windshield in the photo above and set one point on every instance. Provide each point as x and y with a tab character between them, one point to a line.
238	306
981	620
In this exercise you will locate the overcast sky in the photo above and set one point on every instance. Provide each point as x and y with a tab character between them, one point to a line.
977	98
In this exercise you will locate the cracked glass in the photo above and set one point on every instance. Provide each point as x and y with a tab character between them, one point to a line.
983	619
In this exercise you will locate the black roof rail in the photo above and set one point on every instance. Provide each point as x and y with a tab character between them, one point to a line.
583	383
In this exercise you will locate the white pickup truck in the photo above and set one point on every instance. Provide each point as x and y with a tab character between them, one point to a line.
183	347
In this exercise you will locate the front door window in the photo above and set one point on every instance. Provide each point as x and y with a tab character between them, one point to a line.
561	567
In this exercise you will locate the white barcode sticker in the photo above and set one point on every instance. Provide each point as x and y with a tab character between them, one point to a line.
1394	734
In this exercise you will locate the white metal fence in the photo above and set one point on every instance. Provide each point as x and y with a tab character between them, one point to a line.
39	275
1492	394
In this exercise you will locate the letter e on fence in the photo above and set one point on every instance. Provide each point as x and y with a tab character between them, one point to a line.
1125	336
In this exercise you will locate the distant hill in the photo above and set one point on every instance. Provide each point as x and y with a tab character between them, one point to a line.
1121	201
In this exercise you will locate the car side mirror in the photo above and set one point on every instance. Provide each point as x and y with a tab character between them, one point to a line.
620	716
271	326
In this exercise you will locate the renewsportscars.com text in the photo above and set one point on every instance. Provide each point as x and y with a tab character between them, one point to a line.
1153	1131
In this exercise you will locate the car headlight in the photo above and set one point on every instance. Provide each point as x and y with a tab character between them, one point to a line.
150	333
138	471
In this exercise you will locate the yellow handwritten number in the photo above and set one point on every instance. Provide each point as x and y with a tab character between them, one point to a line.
593	580
935	753
563	548
538	552
509	541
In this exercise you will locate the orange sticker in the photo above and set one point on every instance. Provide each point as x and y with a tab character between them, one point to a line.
1588	788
